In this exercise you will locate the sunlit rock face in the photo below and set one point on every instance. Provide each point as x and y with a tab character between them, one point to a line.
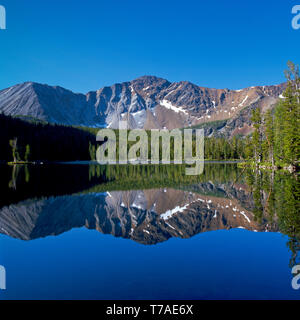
147	102
145	216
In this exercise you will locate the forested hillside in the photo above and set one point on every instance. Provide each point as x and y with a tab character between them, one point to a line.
33	141
276	138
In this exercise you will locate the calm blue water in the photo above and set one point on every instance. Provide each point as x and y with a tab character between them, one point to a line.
90	232
84	264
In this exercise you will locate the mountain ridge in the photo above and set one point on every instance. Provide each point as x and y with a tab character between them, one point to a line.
147	102
145	216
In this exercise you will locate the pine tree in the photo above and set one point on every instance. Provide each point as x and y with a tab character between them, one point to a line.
291	115
269	133
248	149
27	153
14	146
257	134
278	133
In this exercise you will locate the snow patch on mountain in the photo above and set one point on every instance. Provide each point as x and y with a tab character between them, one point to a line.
167	104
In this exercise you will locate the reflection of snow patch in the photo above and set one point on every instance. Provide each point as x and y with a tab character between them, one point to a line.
134	205
170	226
243	213
168	214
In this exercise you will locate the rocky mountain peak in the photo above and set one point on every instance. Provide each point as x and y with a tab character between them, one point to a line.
147	102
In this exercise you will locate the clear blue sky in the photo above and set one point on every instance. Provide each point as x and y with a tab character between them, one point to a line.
84	45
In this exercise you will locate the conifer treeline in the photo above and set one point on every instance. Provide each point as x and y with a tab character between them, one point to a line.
276	136
32	141
35	141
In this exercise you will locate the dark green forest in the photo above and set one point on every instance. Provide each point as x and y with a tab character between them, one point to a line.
276	137
35	141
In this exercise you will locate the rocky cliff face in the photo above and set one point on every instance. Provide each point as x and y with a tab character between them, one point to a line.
52	104
147	102
148	216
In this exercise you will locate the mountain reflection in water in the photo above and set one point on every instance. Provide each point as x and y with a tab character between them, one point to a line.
147	204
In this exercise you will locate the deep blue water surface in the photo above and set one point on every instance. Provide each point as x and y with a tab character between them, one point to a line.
148	232
84	264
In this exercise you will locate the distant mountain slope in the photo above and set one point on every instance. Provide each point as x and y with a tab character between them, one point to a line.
147	102
52	104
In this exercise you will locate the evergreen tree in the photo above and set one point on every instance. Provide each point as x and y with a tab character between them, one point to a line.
14	146
269	133
27	153
291	115
257	134
278	134
248	148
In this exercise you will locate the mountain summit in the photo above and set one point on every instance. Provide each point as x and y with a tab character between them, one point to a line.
146	102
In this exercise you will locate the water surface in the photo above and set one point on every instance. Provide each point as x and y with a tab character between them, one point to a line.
85	231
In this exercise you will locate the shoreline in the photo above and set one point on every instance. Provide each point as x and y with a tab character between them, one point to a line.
269	166
240	164
87	162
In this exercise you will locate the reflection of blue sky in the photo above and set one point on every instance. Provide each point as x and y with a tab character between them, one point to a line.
87	264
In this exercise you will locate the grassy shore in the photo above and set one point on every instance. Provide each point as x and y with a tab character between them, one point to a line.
12	163
268	166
